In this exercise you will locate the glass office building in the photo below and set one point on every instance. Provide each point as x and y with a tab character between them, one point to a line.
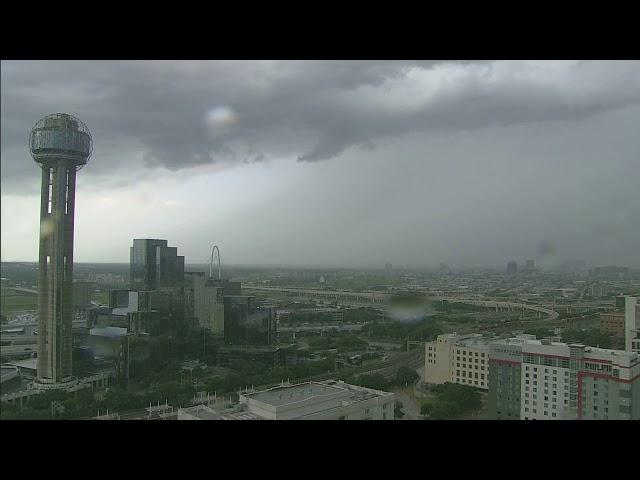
155	265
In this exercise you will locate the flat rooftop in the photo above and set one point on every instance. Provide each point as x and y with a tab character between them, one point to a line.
204	412
326	390
283	395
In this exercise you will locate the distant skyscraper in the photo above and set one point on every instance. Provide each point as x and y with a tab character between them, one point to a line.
512	267
154	265
62	145
530	265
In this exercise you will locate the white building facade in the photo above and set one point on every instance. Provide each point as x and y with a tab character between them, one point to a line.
560	381
460	359
328	400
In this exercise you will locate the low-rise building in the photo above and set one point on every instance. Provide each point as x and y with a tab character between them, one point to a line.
328	400
612	323
271	356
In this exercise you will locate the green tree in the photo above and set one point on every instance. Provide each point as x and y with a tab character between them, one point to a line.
375	381
406	376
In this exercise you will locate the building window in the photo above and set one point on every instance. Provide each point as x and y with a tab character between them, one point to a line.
50	190
66	194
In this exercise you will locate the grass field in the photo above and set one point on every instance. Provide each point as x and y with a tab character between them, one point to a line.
12	302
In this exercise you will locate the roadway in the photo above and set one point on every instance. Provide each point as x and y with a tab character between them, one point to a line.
344	296
18	350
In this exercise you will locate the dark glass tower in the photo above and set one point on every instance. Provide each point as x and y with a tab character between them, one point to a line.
61	144
154	265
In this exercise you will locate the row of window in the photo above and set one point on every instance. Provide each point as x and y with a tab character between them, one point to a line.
471	367
471	354
464	374
546	413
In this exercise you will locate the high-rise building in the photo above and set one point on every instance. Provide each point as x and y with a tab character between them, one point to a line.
154	265
562	381
228	287
512	267
505	365
61	144
208	301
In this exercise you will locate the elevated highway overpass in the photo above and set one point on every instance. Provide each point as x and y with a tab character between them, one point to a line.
380	298
334	295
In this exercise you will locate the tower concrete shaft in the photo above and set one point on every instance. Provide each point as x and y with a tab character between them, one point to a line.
55	273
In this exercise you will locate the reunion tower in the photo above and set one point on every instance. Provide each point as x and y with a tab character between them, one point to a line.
62	145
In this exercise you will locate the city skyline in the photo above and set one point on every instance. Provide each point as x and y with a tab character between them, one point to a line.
323	163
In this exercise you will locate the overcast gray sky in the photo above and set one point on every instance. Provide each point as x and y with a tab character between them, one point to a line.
352	163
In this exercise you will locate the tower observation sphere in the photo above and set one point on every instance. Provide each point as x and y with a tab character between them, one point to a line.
62	137
61	144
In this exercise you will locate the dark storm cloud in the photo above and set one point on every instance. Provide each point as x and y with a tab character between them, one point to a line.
161	112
